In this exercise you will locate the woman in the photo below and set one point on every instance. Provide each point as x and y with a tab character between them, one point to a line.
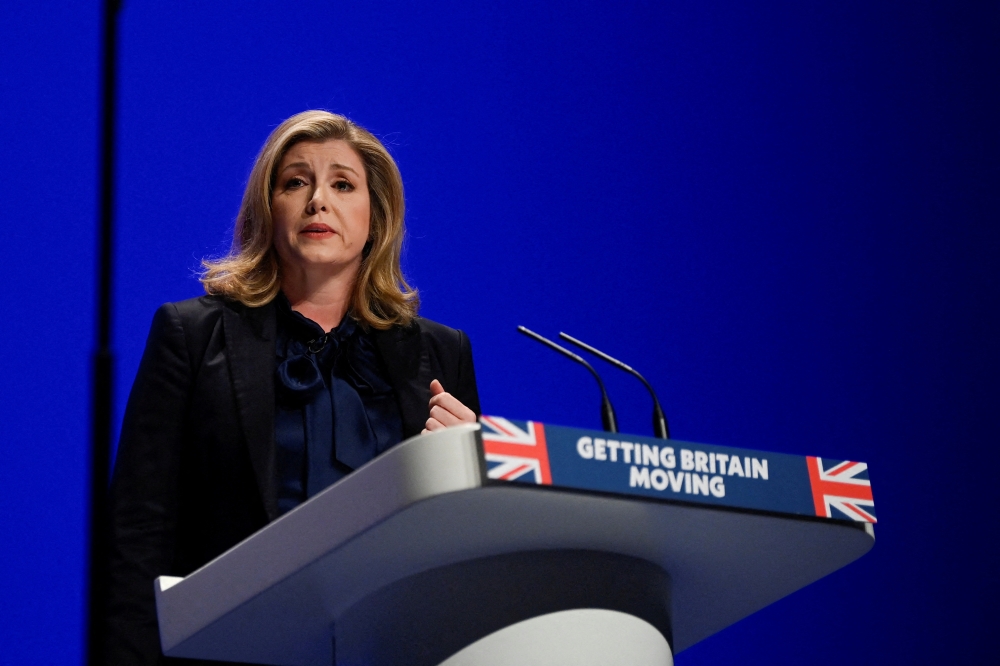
305	360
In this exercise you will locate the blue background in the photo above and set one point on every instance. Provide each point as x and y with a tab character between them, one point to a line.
786	216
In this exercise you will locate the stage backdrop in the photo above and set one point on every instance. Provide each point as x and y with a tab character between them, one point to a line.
784	216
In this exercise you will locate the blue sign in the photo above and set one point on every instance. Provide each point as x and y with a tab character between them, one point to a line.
530	452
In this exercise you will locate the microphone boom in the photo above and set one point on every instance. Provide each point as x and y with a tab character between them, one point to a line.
660	427
608	419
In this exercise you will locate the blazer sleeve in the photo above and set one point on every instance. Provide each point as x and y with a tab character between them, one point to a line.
465	387
145	492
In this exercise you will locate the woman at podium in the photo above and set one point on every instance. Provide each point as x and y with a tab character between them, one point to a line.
305	360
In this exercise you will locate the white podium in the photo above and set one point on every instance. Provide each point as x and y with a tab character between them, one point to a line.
418	559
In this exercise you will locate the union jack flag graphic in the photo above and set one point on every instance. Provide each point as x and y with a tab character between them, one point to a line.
841	489
515	450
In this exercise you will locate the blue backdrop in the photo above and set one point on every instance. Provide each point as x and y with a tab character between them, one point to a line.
785	216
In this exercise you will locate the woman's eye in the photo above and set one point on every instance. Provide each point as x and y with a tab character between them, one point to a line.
343	186
294	183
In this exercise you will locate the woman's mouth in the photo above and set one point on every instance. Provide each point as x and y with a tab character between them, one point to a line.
317	230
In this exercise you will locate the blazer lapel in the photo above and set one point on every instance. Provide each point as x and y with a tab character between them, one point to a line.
408	364
250	335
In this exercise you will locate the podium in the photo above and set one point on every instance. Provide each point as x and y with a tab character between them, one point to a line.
420	558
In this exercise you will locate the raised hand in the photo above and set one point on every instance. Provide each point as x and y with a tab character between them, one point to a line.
446	410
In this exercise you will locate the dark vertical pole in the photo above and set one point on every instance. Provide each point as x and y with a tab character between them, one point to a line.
103	359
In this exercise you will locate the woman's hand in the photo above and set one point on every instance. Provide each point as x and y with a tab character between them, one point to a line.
446	410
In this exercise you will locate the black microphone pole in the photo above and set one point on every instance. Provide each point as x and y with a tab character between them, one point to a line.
660	428
608	419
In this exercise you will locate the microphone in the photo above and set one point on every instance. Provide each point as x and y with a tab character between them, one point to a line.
660	428
608	419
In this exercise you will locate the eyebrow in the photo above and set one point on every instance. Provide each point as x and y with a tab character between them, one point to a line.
336	165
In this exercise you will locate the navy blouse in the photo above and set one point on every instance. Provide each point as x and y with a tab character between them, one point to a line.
335	409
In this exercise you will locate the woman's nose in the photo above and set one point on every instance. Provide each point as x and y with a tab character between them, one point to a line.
317	202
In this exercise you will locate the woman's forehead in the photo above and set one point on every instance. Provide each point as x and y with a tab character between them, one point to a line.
320	152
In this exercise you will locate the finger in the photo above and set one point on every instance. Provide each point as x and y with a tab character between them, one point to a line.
444	416
436	387
433	424
453	405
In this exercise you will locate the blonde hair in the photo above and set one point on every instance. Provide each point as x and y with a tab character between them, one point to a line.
251	273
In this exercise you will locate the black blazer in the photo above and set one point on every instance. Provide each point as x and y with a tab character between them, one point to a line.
195	471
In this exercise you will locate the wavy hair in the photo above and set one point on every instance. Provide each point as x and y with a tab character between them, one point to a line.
251	273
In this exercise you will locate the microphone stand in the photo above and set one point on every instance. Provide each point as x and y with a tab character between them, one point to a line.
608	419
660	428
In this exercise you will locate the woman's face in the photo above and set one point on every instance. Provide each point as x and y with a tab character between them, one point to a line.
320	207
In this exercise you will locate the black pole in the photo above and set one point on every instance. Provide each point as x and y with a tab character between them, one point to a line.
103	358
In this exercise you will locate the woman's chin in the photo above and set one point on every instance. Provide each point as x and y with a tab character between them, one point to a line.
322	262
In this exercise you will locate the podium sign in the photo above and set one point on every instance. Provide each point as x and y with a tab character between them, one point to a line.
530	452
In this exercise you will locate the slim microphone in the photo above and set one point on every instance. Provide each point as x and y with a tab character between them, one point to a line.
660	428
608	419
